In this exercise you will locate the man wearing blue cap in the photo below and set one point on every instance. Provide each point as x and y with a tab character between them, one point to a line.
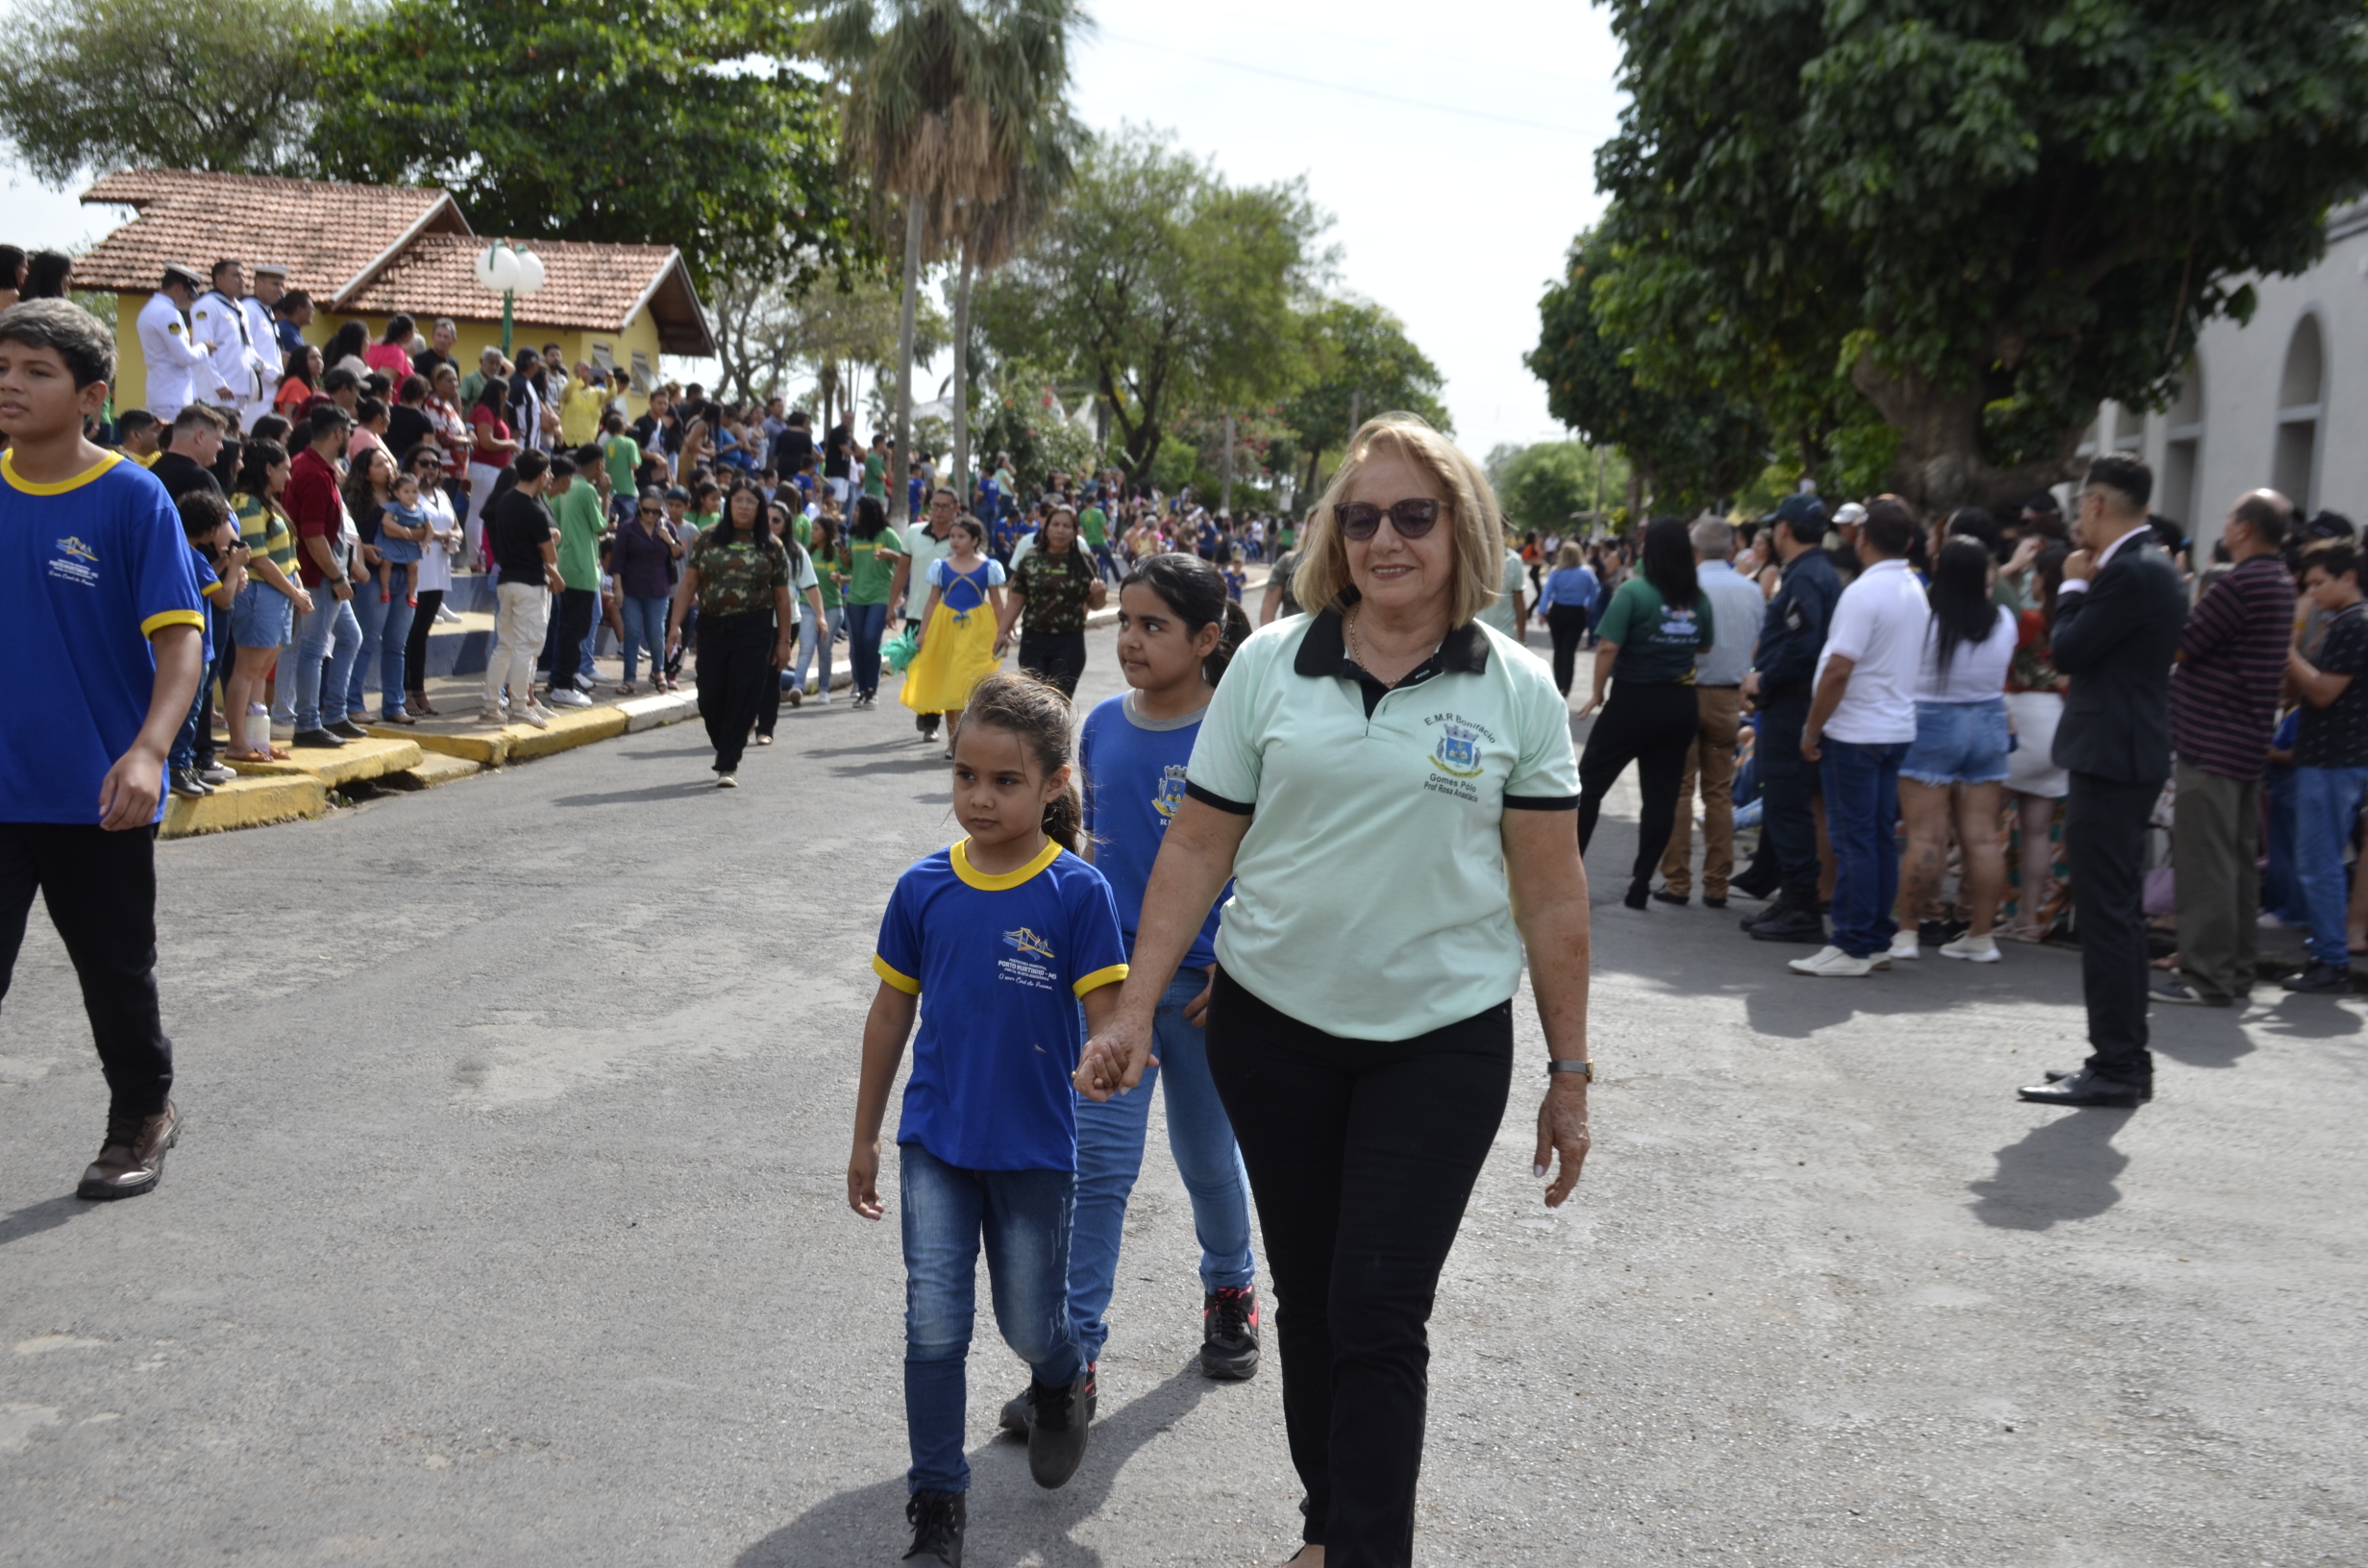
1782	681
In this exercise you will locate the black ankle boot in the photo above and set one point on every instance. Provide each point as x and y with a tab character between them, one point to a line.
937	1519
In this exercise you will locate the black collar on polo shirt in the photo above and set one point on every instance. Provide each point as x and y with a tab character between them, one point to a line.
1324	651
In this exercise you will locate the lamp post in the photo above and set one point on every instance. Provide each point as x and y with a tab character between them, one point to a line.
508	272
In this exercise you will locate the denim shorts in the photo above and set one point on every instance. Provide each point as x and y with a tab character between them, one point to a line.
1958	742
261	616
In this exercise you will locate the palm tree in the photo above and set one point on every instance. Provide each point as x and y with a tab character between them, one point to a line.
944	104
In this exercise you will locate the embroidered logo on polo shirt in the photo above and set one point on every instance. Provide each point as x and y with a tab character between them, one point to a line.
1458	752
75	562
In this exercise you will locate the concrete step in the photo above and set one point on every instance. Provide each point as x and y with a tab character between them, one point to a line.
252	801
387	751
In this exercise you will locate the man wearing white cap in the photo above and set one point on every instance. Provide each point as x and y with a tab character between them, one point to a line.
219	321
263	332
174	360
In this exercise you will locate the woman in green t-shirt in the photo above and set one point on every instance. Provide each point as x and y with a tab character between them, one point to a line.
1656	623
870	553
830	568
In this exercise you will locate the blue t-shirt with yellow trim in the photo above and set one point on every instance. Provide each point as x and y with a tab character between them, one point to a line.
999	963
90	568
1134	783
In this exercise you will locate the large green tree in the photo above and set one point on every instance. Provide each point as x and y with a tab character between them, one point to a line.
1547	486
100	84
1358	362
673	122
1980	216
1689	442
1161	287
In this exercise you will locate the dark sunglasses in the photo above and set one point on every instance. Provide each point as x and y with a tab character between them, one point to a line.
648	511
1411	518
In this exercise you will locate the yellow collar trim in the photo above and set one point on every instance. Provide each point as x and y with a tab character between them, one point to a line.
8	469
1001	881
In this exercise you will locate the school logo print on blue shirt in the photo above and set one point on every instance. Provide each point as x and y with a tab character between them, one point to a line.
1171	797
1025	970
75	562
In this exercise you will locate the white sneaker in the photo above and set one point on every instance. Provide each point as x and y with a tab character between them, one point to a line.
1903	946
568	698
489	714
727	781
823	698
1973	950
1832	962
537	715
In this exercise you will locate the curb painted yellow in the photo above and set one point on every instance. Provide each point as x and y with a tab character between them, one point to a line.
247	802
434	769
348	764
569	728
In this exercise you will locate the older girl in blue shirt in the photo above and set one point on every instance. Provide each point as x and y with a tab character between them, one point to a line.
1003	933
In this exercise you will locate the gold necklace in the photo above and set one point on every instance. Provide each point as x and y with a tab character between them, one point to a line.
1356	644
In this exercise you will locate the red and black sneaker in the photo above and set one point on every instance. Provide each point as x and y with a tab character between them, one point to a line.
1229	1333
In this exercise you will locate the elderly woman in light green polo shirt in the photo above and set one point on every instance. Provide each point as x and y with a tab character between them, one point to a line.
1390	785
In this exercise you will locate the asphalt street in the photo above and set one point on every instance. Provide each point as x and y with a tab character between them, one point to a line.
509	1227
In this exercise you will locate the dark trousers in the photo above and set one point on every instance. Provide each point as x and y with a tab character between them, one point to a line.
1057	658
1862	820
100	889
865	625
415	645
1566	625
2104	844
1362	1155
576	607
735	662
1788	785
2216	845
1650	724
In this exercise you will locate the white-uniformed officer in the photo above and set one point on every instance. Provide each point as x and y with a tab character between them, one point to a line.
175	362
219	321
263	332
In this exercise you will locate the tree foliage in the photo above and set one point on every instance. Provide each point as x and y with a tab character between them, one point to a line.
1981	216
673	122
1161	287
1358	360
102	85
1689	442
1544	486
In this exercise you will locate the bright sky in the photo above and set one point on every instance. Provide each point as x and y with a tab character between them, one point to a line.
1455	149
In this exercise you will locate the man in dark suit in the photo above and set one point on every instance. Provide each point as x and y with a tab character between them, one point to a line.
2117	624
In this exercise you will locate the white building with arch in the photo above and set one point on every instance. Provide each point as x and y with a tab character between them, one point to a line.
2267	403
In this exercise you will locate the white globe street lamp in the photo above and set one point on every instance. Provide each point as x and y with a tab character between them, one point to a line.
510	272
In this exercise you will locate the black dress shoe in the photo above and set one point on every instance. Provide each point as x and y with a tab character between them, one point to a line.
1666	897
1708	902
188	786
2057	1075
2321	977
346	728
317	738
1787	923
2086	1088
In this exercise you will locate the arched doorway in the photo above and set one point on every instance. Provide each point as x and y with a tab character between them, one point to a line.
2182	449
2300	396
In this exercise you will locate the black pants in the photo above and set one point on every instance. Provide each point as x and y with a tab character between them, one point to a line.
2104	844
735	661
101	892
1651	725
1362	1156
1788	787
576	607
415	646
1057	658
1566	625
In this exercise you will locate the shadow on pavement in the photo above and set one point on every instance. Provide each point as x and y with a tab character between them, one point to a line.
656	791
2308	1018
35	1217
2061	1171
1011	1520
701	750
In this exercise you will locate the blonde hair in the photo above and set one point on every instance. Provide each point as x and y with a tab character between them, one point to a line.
1569	557
1323	582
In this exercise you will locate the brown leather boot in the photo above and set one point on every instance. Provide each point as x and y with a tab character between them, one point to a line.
132	1159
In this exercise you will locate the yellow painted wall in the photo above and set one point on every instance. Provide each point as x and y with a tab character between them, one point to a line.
640	335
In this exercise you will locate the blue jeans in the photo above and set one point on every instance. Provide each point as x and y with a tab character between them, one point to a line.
2327	803
2282	893
944	1210
810	642
1110	1138
385	629
331	633
1861	818
865	622
645	626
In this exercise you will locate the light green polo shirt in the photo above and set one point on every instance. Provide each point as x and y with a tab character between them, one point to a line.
1369	895
1511	581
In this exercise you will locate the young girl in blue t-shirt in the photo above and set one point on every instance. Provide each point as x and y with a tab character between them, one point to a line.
1003	933
1176	631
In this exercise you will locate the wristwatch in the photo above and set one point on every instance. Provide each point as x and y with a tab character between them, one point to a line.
1585	1069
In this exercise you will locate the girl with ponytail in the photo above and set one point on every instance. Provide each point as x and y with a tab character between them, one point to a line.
1004	933
1176	631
